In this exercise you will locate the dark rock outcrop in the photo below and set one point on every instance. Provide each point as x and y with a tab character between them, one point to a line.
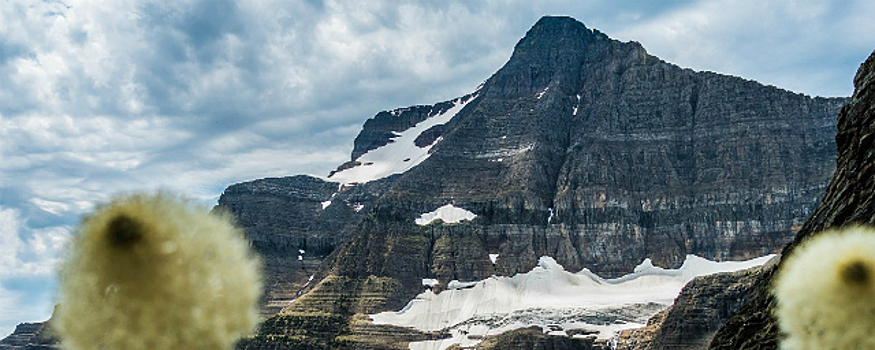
31	336
702	307
849	199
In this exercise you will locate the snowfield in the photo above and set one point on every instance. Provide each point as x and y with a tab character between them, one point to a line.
552	298
399	155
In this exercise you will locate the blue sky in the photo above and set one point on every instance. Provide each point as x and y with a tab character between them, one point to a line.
99	98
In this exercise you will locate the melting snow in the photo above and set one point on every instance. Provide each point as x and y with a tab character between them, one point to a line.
357	207
448	213
549	295
399	155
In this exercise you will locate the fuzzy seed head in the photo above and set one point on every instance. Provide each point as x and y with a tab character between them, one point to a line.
124	231
855	273
154	272
826	292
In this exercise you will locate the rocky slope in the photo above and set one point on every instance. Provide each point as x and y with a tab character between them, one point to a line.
582	148
849	200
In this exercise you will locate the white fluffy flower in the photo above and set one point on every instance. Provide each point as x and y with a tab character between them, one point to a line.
153	272
826	292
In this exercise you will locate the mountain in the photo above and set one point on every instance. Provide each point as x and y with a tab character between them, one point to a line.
848	201
581	148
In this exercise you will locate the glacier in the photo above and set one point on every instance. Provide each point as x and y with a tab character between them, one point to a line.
552	298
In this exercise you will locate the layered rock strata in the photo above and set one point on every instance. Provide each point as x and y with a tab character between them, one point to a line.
30	336
293	224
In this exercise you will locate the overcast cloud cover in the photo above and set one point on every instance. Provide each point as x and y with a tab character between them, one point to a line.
105	97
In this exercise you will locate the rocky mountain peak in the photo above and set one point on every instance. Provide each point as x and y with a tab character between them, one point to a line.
554	51
558	32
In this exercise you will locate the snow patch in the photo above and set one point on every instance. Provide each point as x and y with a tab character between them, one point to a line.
401	154
541	94
493	258
308	282
576	105
550	217
448	213
325	204
357	207
552	298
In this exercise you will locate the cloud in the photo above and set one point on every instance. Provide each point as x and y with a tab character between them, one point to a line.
811	47
36	254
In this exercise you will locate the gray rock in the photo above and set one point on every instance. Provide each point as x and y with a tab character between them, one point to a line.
31	336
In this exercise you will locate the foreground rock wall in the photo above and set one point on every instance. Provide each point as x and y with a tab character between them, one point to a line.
850	199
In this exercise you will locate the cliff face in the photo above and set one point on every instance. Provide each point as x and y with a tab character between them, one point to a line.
582	148
849	199
294	223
